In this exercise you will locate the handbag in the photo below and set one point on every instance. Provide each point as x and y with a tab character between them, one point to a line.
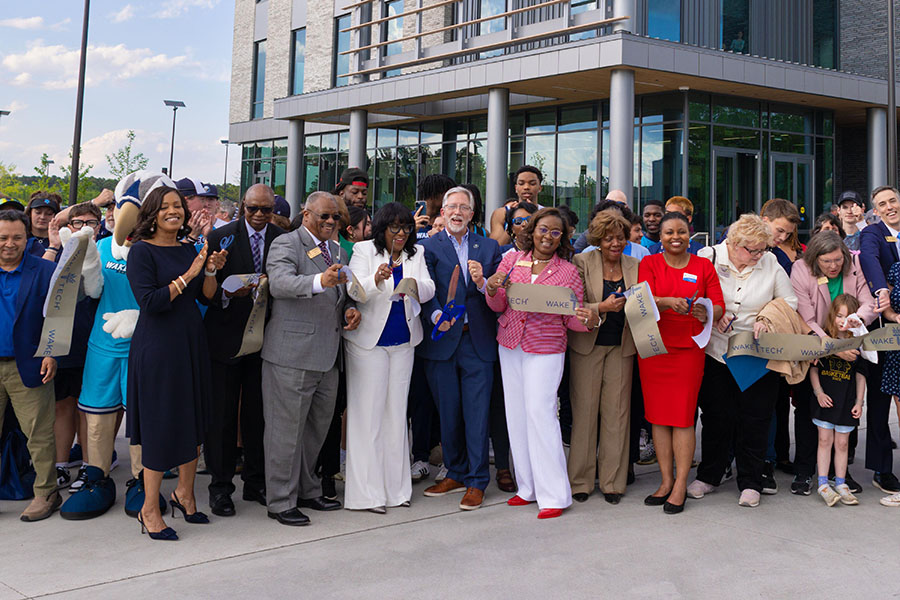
16	471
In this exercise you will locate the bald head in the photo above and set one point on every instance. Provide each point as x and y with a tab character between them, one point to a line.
260	191
617	196
259	201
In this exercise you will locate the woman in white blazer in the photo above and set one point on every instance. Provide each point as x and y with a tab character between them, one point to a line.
379	357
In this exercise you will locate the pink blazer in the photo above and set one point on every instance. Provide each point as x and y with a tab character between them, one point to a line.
538	333
814	301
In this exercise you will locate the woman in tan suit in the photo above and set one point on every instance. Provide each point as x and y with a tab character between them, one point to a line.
602	360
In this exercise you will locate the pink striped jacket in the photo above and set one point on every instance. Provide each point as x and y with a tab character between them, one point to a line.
538	333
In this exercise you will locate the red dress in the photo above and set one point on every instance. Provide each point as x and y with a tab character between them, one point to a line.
671	382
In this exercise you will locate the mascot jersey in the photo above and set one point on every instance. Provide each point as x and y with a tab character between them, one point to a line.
116	296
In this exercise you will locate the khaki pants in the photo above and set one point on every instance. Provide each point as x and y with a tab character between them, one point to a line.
136	466
35	409
101	439
600	386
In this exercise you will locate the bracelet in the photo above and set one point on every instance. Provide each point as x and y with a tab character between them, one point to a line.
51	248
177	289
183	282
210	273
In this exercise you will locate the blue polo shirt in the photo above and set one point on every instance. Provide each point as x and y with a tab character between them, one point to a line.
9	291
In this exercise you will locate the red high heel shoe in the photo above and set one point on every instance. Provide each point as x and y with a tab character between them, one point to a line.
517	501
549	513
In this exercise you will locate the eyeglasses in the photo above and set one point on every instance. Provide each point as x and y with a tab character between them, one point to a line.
79	223
266	210
832	263
554	233
464	208
326	216
759	252
395	229
520	220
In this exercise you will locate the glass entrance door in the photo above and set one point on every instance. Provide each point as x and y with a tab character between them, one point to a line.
735	187
792	179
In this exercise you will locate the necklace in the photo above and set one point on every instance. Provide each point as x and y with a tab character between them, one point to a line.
540	261
397	262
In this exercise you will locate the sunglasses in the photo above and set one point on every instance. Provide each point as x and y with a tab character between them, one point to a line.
554	233
395	229
327	216
520	220
266	210
82	222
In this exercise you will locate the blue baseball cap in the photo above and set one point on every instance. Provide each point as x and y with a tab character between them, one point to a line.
44	203
282	208
10	204
188	186
209	191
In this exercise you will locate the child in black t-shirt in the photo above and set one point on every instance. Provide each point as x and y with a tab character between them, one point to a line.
838	390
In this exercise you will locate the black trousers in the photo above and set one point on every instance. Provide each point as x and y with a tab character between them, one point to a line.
329	461
806	434
237	394
499	432
732	418
422	412
637	415
879	453
782	421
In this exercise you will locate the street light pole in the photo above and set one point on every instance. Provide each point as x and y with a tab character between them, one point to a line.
79	107
225	177
4	113
175	104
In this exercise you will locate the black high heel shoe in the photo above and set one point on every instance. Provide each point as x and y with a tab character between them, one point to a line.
652	500
194	517
166	535
673	509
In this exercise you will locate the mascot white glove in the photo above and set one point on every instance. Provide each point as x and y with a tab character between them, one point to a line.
121	324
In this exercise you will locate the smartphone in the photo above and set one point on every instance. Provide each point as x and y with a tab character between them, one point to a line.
420	204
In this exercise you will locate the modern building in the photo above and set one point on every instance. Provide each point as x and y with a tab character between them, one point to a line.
728	102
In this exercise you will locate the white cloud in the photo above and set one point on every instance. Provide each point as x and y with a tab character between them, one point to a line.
23	22
16	106
61	26
123	15
56	67
175	8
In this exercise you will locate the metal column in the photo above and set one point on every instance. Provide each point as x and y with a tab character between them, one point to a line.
497	150
359	124
293	183
621	132
876	146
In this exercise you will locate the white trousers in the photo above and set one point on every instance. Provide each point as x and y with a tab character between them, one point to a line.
530	383
377	440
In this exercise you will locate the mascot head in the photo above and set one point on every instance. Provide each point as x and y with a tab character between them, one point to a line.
130	194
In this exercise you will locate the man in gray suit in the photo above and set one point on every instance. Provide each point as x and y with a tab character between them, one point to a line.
300	357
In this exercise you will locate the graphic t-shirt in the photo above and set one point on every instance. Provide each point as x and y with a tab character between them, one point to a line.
838	379
116	296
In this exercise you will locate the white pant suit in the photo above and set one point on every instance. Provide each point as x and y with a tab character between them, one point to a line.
378	384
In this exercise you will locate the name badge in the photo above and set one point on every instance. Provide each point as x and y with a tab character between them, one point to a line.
314	252
723	273
890	238
822	280
689	277
524	263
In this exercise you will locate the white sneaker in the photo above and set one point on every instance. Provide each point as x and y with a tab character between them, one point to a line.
63	478
892	500
846	495
698	489
751	498
442	475
828	494
419	471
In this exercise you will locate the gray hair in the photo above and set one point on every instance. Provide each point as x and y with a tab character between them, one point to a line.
316	196
459	190
825	242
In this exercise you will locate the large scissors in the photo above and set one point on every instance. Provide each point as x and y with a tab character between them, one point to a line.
451	310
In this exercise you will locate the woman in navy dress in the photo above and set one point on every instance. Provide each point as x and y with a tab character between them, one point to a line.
168	366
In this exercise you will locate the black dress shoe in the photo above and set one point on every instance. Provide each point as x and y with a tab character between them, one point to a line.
291	516
656	500
612	498
221	505
580	497
630	479
328	489
321	503
254	495
853	484
672	509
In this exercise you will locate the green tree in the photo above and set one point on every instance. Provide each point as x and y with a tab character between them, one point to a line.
83	170
123	162
43	171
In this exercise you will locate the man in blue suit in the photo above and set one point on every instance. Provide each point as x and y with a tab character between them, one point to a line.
25	380
459	365
878	244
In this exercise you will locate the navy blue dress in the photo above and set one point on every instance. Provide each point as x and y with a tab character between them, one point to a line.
168	365
890	379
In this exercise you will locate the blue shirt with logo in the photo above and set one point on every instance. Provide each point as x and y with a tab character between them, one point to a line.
116	296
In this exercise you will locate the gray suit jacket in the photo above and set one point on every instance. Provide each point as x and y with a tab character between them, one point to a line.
304	331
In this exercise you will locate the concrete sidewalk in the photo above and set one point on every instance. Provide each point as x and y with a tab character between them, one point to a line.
789	545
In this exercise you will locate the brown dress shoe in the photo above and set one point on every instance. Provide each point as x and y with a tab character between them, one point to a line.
41	507
446	486
472	500
505	481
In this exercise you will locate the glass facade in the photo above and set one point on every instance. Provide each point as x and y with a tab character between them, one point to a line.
728	156
340	61
392	30
259	80
298	60
664	19
734	28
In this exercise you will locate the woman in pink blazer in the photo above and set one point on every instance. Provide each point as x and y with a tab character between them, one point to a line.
532	351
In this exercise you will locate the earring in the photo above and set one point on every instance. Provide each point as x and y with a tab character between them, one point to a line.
153	227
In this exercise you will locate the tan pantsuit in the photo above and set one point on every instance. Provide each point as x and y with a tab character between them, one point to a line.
600	388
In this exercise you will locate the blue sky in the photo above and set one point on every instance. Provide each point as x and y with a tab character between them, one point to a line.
140	52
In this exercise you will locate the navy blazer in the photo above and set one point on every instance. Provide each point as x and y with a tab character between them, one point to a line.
440	257
29	320
876	255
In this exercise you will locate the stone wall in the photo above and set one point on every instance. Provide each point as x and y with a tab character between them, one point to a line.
242	61
278	53
319	45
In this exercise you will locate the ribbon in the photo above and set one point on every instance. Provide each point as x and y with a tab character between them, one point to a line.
537	298
795	347
642	315
62	296
252	340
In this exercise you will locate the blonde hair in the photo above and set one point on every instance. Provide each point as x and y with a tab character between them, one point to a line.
686	206
749	229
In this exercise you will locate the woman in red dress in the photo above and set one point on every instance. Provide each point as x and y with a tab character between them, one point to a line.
671	381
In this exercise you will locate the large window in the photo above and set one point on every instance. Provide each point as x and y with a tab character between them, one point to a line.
341	44
664	19
298	59
734	28
825	34
259	79
392	30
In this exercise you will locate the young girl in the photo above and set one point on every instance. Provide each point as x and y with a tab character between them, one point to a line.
838	389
